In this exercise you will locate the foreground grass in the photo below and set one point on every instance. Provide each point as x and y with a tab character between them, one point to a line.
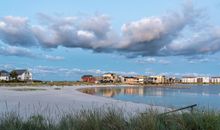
112	119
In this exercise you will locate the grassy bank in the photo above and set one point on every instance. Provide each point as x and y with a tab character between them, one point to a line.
112	119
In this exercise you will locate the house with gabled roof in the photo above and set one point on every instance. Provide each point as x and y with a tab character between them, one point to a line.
23	75
4	75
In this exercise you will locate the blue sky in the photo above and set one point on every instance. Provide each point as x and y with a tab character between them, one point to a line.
62	40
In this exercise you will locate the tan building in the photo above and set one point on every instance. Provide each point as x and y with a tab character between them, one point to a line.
130	80
110	78
142	79
157	79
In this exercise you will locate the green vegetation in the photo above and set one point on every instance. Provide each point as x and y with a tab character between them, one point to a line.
112	119
14	75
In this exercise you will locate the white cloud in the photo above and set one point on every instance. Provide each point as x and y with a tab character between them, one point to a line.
165	35
16	51
50	57
152	60
73	71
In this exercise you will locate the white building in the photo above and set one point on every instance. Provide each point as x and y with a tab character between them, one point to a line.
4	75
189	79
215	79
203	79
24	75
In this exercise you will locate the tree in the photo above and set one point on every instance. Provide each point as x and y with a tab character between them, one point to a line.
14	75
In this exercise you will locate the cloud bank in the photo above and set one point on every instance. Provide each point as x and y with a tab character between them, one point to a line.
171	34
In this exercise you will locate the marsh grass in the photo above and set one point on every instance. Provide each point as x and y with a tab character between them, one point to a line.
114	119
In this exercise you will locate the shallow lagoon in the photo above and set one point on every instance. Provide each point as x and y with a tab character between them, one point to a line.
52	101
206	96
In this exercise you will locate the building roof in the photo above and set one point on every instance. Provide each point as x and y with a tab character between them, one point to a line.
215	77
188	77
4	73
86	76
130	77
20	72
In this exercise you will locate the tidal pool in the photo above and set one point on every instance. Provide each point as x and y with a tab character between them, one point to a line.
205	96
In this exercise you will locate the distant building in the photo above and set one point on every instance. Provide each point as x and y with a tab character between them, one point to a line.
157	79
142	79
4	75
88	78
98	79
110	78
23	75
189	79
203	79
131	80
215	79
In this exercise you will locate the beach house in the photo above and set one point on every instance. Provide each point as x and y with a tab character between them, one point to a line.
131	80
160	79
110	78
88	78
4	75
142	79
23	75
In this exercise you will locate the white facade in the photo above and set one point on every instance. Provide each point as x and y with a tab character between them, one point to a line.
4	75
26	75
4	78
189	80
205	79
215	80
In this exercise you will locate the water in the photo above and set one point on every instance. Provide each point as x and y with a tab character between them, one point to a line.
206	96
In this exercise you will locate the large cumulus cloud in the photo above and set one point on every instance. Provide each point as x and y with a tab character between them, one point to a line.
16	31
174	33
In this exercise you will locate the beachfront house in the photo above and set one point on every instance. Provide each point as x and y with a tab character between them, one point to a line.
23	75
4	75
88	78
160	79
142	79
215	80
189	79
110	78
130	80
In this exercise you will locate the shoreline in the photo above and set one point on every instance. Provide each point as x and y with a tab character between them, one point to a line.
73	84
67	99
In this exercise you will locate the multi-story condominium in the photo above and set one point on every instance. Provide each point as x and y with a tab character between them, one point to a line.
215	79
130	80
192	79
142	79
110	77
189	79
203	79
157	79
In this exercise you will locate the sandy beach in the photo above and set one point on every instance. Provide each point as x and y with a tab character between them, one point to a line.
52	101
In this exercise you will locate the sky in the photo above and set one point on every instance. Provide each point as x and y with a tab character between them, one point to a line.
65	39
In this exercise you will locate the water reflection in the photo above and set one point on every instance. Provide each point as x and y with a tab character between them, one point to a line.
111	92
206	95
